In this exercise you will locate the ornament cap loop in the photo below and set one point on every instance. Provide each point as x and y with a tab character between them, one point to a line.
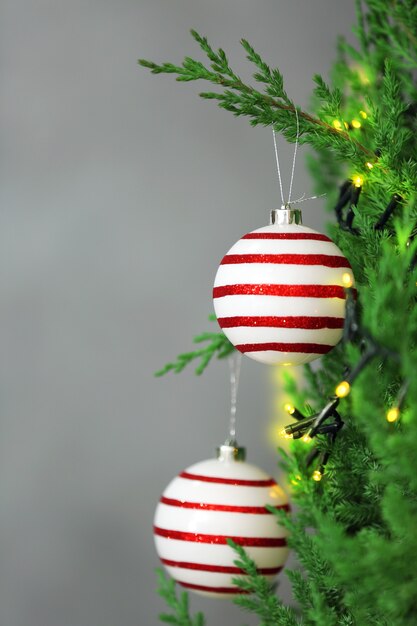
286	215
230	451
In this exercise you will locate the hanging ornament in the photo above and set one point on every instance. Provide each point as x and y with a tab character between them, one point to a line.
215	500
210	502
279	292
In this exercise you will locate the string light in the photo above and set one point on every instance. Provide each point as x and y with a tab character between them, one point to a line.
356	123
294	412
363	114
343	389
346	125
396	199
337	124
393	414
369	165
307	428
284	434
349	196
317	475
347	280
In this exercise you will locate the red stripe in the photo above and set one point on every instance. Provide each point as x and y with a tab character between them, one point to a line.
295	291
256	510
308	348
258	542
308	236
229	481
282	322
221	569
213	589
326	260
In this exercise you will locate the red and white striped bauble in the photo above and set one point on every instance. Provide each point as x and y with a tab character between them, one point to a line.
205	505
279	296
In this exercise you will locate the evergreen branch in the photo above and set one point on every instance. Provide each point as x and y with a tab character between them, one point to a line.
262	108
218	344
301	589
274	79
263	601
331	98
178	604
406	14
394	23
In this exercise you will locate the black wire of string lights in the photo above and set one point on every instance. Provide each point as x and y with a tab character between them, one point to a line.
349	194
327	421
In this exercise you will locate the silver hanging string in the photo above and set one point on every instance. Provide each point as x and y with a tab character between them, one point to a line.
303	199
235	361
295	154
278	167
294	159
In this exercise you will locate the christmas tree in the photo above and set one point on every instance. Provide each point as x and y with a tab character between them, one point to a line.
353	460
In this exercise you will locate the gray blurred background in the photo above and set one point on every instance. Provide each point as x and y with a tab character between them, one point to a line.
120	193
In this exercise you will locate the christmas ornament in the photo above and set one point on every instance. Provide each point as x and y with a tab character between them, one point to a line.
206	504
278	293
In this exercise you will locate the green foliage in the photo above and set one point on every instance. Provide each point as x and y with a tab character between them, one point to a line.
332	99
261	599
218	345
179	604
271	107
354	531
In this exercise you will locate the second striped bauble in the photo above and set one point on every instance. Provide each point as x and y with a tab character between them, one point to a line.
279	296
205	505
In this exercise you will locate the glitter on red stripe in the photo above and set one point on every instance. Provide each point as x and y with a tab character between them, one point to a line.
269	482
257	542
307	348
295	291
203	506
308	236
221	569
326	260
282	322
213	589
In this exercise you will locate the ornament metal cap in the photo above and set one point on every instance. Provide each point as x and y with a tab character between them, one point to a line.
286	215
230	451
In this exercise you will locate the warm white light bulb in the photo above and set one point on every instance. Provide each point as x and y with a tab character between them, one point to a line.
393	414
343	389
347	280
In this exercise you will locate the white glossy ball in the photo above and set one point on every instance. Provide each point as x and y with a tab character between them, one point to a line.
208	503
279	294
